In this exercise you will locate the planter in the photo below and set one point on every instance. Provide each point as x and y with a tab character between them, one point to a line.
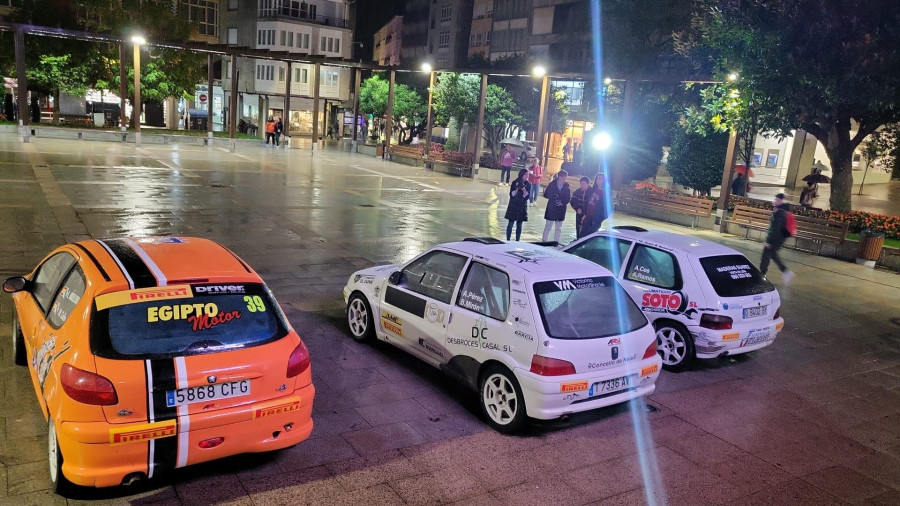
870	246
379	150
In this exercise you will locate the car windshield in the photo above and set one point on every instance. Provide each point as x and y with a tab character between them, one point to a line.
184	320
587	308
734	276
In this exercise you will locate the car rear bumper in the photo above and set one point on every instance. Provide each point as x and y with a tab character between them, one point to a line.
744	339
549	397
93	456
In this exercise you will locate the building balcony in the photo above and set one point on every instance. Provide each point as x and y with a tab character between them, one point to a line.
304	18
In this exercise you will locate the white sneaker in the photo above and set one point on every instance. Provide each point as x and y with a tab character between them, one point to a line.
787	276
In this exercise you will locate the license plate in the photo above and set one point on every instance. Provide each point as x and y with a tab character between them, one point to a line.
613	385
204	393
753	312
757	339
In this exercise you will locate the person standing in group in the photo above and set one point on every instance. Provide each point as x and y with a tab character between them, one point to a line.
517	209
595	210
781	226
270	132
507	157
579	199
559	195
535	173
738	185
279	129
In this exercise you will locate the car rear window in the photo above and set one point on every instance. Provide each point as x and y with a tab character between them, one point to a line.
734	276
184	320
587	308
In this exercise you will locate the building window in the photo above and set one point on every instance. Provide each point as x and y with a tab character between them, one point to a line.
281	74
270	72
305	41
233	5
322	44
267	8
205	13
337	45
283	38
297	75
331	78
304	76
446	12
259	72
232	36
290	41
330	44
444	40
259	37
271	37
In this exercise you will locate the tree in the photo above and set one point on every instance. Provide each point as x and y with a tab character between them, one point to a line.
878	148
695	160
500	114
58	74
409	106
829	67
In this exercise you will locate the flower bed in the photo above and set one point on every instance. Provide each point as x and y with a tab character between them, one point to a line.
857	220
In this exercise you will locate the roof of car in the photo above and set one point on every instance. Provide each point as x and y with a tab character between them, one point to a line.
672	241
158	261
529	258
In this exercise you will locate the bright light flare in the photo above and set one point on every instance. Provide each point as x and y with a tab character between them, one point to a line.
607	81
426	67
732	76
539	71
139	40
601	141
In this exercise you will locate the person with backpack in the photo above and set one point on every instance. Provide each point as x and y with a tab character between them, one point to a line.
781	226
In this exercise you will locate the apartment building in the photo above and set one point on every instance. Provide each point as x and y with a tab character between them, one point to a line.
480	32
389	43
303	27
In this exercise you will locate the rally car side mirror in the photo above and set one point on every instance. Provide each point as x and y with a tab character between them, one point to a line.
15	284
395	277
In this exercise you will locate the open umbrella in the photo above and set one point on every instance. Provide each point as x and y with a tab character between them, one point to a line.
742	169
512	142
817	178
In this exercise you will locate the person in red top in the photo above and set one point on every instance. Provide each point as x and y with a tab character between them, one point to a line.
507	157
535	173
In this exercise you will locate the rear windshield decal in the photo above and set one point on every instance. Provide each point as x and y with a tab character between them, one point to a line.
114	299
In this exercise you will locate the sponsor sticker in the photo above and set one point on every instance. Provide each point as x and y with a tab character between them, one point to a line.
218	289
276	410
109	300
391	323
732	336
142	432
573	386
650	369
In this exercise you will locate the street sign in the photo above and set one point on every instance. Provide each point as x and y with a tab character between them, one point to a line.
203	97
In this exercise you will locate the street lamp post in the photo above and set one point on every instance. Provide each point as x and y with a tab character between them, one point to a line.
541	72
426	67
138	41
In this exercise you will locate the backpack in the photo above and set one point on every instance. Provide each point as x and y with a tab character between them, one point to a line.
790	224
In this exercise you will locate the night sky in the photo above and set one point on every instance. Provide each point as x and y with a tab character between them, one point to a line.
372	15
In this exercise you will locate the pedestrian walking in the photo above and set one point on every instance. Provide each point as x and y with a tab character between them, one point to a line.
595	208
567	150
279	129
579	199
739	185
270	132
781	226
535	173
517	209
507	157
558	195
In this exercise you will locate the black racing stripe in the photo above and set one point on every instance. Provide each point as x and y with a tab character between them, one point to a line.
405	301
135	266
166	449
94	259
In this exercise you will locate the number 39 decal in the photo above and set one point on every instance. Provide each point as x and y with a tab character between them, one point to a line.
254	303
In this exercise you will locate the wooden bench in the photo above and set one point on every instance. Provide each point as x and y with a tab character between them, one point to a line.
453	168
696	207
412	152
814	229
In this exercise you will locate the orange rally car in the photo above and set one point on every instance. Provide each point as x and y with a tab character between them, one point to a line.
157	353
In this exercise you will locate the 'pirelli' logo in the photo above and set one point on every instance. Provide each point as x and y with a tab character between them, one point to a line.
144	432
650	369
109	300
574	386
276	410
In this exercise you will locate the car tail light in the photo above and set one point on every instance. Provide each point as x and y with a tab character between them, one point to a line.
87	387
651	350
211	443
299	361
546	366
715	322
777	314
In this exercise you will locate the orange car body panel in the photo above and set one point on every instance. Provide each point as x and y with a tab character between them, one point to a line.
102	445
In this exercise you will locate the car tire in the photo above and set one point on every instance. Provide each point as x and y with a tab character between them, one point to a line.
19	355
675	345
55	459
359	318
501	400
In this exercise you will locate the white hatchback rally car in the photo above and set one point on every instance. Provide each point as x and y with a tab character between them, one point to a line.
538	333
705	300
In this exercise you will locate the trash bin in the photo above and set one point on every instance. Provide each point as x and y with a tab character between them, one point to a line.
870	246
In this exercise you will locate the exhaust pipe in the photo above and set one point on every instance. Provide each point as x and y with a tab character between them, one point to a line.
133	479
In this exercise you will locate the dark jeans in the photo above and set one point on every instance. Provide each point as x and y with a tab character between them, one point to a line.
278	138
578	225
509	229
504	174
771	253
270	138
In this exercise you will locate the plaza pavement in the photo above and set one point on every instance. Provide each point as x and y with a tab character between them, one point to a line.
812	419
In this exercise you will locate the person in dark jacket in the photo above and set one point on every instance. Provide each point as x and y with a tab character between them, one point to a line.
739	185
595	208
559	195
775	238
578	201
279	129
517	210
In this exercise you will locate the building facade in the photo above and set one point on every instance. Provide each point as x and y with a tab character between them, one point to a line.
388	43
307	27
480	32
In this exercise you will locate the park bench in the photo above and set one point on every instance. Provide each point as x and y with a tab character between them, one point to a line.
452	168
413	153
695	207
813	229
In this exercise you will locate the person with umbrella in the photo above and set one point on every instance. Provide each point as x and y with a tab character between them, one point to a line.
507	157
811	192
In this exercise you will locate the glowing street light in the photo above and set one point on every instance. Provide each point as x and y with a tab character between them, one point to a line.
426	67
602	141
732	76
539	71
607	81
139	40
